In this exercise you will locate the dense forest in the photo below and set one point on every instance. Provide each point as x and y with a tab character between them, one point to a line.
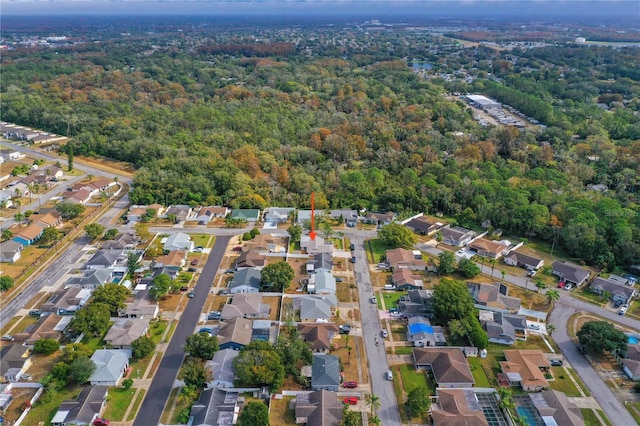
260	118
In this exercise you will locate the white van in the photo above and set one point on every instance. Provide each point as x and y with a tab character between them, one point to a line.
389	375
389	287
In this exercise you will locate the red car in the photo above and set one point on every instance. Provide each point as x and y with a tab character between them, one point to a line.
194	262
352	400
350	385
561	284
100	422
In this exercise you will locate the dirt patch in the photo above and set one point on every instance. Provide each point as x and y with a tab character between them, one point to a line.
170	303
274	306
299	266
109	165
21	396
280	413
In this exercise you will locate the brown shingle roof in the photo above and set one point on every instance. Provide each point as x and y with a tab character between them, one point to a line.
453	409
448	364
317	334
527	363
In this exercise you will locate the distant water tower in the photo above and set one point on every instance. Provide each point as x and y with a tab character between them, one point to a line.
581	40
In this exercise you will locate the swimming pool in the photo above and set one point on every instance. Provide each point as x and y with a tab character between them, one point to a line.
632	340
527	415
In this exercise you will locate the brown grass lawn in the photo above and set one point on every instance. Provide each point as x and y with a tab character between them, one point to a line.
108	164
274	305
24	323
530	299
20	396
300	271
171	302
351	366
42	365
280	412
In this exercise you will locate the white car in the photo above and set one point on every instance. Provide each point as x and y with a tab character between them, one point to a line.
623	310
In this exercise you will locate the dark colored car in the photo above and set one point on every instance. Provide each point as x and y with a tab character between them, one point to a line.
345	328
194	262
184	288
192	270
353	259
352	246
35	313
350	385
213	316
556	362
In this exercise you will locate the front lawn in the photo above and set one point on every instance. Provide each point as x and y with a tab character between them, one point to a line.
563	382
391	298
156	329
412	378
377	250
117	403
46	407
589	417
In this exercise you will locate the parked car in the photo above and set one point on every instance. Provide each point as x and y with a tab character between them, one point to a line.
192	270
389	375
534	326
184	288
345	328
353	259
561	284
352	246
617	304
339	280
374	300
7	337
394	312
35	313
582	350
100	422
623	310
532	273
237	248
194	262
191	294
568	286
350	385
205	330
384	333
351	400
214	316
198	249
556	362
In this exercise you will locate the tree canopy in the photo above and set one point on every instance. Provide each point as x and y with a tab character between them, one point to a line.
254	413
259	364
112	295
201	345
599	336
452	300
276	277
396	235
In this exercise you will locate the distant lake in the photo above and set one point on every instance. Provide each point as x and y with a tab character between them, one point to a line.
421	66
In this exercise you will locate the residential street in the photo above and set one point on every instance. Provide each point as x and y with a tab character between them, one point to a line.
164	378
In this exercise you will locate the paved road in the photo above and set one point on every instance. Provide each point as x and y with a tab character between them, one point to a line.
158	393
371	330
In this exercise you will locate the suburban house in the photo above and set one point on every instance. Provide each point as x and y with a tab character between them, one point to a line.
325	373
178	241
250	215
10	154
493	297
555	404
142	306
83	410
457	236
51	218
416	302
315	246
400	258
502	328
488	248
267	243
350	217
67	301
176	259
215	406
182	212
322	282
105	259
111	365
30	234
448	365
126	330
81	196
250	259
320	408
48	326
93	278
403	279
206	214
570	273
10	251
421	333
245	281
136	212
526	368
221	367
523	261
630	362
304	216
320	260
276	215
454	407
247	305
618	292
15	360
318	335
423	226
316	308
127	241
235	333
380	219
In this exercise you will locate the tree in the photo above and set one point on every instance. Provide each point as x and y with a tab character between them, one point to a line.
92	320
49	235
457	329
194	373
468	268
477	336
276	277
418	401
540	285
295	232
160	286
75	350
351	418
599	336
293	349
373	401
254	232
375	420
254	414
110	234
46	346
452	300
133	263
506	398
258	364
201	346
493	263
81	369
447	263
503	273
127	383
142	230
112	295
552	296
70	157
396	235
6	282
551	328
142	346
6	235
70	210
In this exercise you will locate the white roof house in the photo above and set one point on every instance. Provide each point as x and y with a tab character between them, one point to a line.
111	365
178	241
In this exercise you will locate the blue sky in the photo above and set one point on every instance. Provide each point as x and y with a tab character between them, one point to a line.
280	7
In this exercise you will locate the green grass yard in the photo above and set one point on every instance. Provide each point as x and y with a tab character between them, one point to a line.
412	378
391	298
377	249
117	403
482	381
563	382
46	407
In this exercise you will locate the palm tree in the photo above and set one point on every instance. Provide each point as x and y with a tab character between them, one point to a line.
373	401
552	296
346	345
375	420
492	262
506	398
540	285
439	238
551	328
503	272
